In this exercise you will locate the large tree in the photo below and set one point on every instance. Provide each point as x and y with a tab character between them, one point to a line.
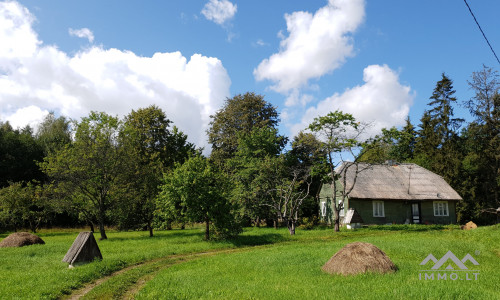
248	174
89	170
152	148
239	115
199	191
481	179
341	135
438	144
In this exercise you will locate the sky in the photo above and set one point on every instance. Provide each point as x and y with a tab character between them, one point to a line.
378	60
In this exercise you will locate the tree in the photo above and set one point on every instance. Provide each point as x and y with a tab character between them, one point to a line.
53	133
438	143
89	170
480	182
393	144
151	149
201	192
239	115
286	196
19	155
25	204
339	133
248	174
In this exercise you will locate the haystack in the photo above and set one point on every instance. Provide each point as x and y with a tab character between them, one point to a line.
20	239
470	225
357	258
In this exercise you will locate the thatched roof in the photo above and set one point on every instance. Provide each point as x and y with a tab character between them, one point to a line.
20	239
357	258
396	182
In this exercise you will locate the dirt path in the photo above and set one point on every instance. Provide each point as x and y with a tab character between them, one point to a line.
156	266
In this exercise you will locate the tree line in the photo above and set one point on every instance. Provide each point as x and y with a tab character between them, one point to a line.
140	172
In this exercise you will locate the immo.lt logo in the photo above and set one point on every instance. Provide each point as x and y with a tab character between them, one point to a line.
449	267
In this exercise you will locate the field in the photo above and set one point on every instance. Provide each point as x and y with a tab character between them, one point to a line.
262	263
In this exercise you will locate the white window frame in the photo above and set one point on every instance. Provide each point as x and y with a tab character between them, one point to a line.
341	212
378	209
441	208
323	209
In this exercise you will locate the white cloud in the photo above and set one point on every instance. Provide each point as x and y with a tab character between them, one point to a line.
382	100
114	81
316	44
84	33
219	11
31	115
16	35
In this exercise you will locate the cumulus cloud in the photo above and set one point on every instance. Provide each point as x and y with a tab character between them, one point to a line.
219	11
35	79
382	101
84	33
316	44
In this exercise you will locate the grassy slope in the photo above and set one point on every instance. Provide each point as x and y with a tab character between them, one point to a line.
293	270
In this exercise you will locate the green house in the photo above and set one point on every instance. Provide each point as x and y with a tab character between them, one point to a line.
392	194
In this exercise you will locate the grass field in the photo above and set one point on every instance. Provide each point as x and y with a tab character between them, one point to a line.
279	267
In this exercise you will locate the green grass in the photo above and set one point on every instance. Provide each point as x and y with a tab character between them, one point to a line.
37	271
293	270
280	267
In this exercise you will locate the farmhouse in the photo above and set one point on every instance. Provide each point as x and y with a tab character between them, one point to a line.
392	193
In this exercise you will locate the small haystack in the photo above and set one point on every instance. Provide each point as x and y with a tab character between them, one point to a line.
357	258
470	225
20	239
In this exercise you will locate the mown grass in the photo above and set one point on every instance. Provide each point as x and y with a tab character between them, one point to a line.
37	271
281	267
293	270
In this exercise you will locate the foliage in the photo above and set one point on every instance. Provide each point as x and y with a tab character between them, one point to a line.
151	148
199	192
238	117
24	204
88	171
340	133
53	133
249	174
480	181
19	154
396	145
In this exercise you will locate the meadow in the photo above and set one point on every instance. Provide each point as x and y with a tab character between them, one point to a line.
263	263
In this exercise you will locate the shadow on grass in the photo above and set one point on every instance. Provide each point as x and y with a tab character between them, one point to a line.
410	227
256	240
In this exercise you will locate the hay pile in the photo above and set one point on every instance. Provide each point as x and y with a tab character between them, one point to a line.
19	239
470	225
357	258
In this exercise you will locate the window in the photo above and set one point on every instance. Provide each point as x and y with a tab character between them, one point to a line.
441	209
323	209
342	213
378	209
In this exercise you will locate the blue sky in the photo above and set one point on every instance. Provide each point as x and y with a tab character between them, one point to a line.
378	60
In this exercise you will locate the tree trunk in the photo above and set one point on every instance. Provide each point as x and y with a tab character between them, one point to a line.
183	226
275	221
207	229
291	227
91	227
169	224
102	231
150	228
337	219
